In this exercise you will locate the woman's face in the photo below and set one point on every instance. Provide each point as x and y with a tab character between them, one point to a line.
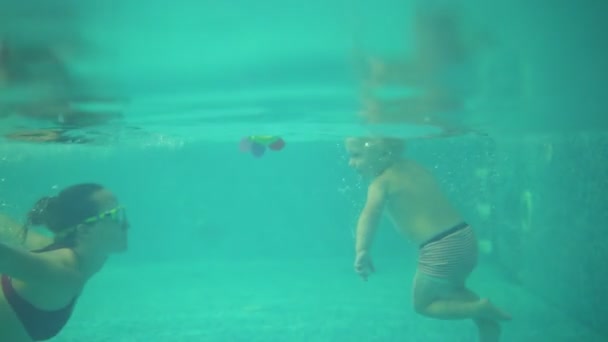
108	229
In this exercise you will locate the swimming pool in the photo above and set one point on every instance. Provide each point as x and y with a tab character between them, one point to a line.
291	300
225	246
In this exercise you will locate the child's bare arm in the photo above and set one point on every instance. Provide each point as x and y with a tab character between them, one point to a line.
370	216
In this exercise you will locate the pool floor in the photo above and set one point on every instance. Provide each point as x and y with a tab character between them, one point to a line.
289	300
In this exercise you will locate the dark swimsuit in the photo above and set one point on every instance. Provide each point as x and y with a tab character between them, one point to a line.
40	325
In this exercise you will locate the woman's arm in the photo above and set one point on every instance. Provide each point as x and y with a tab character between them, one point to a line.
12	233
38	268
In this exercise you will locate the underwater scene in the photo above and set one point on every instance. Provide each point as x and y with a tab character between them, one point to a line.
303	171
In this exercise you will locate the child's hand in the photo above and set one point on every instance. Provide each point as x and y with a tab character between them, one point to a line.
363	265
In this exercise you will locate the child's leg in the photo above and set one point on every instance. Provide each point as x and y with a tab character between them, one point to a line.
488	329
441	299
444	264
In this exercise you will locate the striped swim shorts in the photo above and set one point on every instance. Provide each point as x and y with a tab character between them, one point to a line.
451	254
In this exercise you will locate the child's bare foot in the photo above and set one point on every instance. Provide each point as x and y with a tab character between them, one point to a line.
490	311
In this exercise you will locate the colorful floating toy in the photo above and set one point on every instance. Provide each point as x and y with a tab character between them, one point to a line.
256	144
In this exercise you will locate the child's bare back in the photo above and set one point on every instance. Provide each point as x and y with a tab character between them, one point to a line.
415	203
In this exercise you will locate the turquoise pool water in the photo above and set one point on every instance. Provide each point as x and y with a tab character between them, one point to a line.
228	247
313	299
